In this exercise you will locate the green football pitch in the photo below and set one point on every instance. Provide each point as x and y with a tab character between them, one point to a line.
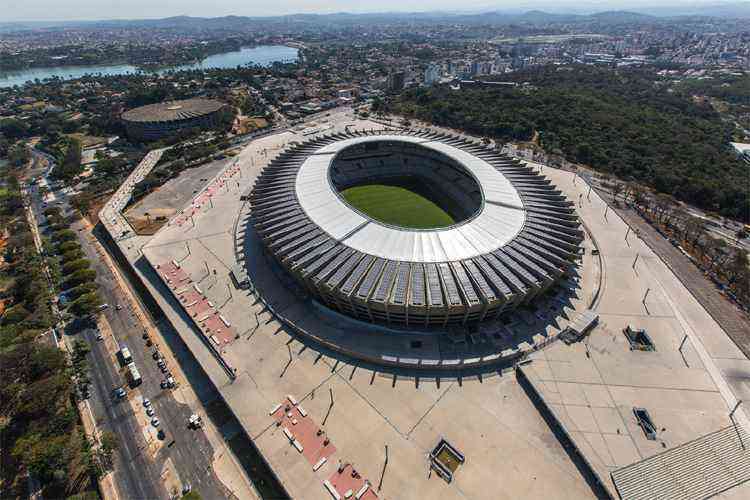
397	206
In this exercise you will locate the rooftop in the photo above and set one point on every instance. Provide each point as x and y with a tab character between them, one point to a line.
172	110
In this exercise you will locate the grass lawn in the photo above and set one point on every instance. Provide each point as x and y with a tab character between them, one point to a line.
397	206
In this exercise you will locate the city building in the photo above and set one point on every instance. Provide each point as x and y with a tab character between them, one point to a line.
396	81
155	121
432	74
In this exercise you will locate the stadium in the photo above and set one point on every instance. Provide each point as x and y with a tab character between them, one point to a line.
413	230
156	121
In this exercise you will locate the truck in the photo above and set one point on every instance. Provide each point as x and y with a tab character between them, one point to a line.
134	376
195	421
124	354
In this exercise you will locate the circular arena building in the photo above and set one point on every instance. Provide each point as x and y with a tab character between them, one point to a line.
485	234
155	121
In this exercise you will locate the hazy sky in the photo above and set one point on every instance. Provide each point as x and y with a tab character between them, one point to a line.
13	10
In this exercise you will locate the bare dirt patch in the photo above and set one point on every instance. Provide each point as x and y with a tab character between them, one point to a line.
149	225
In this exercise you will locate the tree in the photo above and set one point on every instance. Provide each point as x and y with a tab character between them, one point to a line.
85	304
75	265
70	166
109	444
71	255
67	246
82	289
18	155
79	277
14	128
616	188
15	314
52	211
738	266
619	122
64	235
80	350
377	105
694	229
637	194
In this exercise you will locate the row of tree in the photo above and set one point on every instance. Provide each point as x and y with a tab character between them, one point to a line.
727	265
42	436
76	278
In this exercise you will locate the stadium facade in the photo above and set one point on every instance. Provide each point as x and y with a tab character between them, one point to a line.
515	235
156	121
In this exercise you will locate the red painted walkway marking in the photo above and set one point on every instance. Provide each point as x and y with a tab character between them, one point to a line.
306	432
195	303
215	326
350	479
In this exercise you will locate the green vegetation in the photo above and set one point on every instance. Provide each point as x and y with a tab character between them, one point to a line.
397	206
18	155
70	162
620	122
728	94
39	427
731	88
13	128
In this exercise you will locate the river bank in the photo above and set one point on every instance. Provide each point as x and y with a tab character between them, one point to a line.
263	55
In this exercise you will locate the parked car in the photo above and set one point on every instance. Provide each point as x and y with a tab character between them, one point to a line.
146	402
150	411
155	422
99	336
120	393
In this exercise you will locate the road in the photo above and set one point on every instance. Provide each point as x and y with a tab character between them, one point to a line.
137	474
191	452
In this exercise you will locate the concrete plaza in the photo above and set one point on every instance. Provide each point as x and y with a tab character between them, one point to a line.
385	421
689	383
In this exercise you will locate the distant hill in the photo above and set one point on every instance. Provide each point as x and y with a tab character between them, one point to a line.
621	17
648	15
737	10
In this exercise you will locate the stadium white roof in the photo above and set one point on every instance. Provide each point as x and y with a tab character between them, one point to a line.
499	220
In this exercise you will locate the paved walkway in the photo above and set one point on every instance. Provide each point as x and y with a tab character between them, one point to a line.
688	384
732	320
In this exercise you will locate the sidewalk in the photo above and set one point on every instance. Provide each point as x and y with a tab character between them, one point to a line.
106	482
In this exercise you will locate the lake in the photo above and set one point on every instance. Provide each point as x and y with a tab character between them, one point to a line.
263	55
